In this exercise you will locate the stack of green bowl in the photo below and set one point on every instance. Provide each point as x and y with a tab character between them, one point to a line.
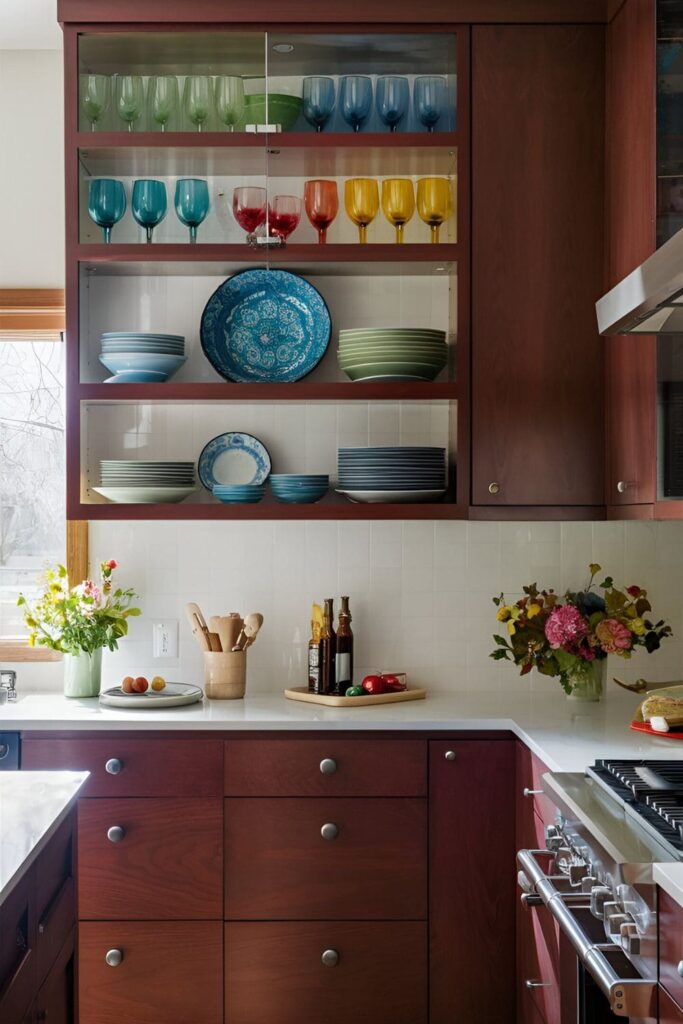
392	353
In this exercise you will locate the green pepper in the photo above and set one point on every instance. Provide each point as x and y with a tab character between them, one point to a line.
356	691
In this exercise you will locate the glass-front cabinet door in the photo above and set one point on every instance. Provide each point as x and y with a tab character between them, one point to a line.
268	229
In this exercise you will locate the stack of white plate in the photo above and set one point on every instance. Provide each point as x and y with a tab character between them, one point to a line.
392	353
135	357
136	481
396	474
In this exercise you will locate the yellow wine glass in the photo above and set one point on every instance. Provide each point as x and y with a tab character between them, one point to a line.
361	200
398	203
434	203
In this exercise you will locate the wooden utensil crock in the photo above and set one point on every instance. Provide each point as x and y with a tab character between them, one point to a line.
225	675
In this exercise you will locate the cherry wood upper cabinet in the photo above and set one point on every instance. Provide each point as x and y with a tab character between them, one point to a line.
630	205
537	265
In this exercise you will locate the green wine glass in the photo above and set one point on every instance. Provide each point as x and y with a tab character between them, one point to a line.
197	99
129	98
229	96
162	99
95	97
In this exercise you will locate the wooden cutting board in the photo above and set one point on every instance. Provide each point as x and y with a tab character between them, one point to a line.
302	693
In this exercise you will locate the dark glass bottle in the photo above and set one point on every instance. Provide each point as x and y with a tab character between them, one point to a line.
344	657
328	649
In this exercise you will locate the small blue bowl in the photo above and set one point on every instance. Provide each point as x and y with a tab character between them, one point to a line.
295	495
239	494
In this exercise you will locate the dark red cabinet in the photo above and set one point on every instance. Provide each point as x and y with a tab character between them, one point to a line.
537	265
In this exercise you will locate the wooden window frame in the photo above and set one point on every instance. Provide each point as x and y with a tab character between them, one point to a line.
37	314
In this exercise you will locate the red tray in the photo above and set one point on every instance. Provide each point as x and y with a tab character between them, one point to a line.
673	734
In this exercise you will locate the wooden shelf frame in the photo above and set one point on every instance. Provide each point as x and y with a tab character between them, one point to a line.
407	259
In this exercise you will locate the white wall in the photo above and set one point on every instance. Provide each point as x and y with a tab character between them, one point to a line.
31	169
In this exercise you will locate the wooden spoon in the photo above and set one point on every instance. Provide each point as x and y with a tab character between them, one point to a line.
252	624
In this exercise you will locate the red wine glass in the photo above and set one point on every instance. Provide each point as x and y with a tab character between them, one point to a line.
249	206
284	215
322	203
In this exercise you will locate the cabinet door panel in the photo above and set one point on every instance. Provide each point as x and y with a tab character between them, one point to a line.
670	945
537	264
18	961
274	972
171	972
55	896
279	866
168	865
472	888
669	1011
55	1000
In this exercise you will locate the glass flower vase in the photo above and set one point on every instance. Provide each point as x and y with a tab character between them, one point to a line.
83	674
587	681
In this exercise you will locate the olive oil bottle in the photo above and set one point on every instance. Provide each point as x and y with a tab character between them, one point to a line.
344	653
328	649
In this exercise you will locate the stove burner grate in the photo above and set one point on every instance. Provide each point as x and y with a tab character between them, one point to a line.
653	790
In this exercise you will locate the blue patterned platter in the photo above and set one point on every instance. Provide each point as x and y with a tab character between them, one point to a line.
265	325
233	458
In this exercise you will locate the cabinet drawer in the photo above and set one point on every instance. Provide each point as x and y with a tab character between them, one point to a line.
671	946
328	766
171	972
55	896
279	866
531	798
274	972
165	862
156	767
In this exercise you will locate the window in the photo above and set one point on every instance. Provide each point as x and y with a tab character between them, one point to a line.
32	492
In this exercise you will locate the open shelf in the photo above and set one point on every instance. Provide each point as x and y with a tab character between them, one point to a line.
271	510
403	259
227	391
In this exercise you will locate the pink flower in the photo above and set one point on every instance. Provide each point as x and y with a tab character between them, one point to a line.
634	591
111	564
90	590
613	636
566	628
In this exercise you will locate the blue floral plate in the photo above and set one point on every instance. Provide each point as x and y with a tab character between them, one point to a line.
265	325
233	458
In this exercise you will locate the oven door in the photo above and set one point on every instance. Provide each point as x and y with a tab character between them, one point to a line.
608	986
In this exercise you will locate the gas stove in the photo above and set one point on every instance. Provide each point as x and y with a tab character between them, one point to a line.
651	792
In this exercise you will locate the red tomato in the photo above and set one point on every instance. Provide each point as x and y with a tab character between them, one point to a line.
393	683
374	684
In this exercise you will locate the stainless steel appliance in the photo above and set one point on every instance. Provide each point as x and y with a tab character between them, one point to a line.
9	751
595	877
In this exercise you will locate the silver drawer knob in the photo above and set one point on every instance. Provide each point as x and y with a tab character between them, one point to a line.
114	957
680	968
494	488
532	792
621	486
329	831
328	766
115	834
450	755
531	984
330	958
113	766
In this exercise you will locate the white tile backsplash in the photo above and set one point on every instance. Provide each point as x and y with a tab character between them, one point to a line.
420	592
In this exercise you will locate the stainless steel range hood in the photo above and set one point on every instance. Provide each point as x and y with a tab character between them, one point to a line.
650	299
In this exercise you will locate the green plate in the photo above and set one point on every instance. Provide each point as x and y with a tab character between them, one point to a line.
405	371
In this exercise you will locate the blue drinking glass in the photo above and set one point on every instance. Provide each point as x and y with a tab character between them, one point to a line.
430	99
392	99
191	203
106	204
356	100
148	204
318	101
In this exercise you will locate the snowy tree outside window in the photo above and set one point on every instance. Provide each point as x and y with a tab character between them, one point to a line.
32	472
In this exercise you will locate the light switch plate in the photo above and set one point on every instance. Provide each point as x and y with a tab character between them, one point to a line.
165	638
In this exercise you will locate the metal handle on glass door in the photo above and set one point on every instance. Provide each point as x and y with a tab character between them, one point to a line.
330	958
680	968
537	984
494	487
328	766
114	957
450	755
113	766
532	792
329	831
115	834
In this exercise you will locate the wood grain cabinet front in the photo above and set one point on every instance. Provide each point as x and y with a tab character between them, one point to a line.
18	960
154	972
327	859
55	896
670	946
669	1011
336	971
124	766
159	858
325	766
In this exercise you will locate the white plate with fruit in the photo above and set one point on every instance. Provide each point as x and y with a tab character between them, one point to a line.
139	692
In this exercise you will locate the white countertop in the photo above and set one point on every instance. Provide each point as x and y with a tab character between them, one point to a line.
670	877
32	807
567	735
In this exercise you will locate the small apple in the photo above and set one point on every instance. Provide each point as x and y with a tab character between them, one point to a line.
374	684
158	683
393	682
140	684
127	684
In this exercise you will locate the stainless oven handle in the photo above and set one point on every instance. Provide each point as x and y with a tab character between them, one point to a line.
627	997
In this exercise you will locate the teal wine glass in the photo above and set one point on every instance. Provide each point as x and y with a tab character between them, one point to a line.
191	203
430	97
129	98
356	100
393	100
95	96
106	204
148	204
319	96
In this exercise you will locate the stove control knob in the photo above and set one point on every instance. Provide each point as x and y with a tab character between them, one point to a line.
599	894
554	843
551	831
588	882
613	923
577	872
630	939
